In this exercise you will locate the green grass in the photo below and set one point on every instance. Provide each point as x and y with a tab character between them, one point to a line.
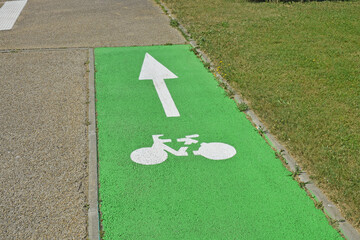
298	65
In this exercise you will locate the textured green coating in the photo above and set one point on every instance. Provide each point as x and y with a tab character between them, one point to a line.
250	196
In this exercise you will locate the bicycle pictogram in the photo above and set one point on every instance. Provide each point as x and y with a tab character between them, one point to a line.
158	152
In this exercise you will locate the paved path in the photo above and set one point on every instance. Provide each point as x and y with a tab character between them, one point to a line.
177	160
89	23
43	144
44	107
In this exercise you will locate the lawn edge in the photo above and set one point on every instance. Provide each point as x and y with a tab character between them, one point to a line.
321	201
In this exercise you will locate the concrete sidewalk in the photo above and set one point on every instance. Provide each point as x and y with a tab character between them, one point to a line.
44	118
94	23
43	146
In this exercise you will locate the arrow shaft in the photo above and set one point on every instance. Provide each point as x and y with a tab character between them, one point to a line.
165	98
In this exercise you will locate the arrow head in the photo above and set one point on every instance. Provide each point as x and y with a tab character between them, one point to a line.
152	69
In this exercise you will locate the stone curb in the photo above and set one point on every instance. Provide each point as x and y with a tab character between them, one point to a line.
93	213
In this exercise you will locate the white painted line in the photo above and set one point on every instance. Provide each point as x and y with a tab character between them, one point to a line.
9	13
153	70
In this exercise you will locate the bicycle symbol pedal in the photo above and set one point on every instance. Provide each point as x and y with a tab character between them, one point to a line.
158	152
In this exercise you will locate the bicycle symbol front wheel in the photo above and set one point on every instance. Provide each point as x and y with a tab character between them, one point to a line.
216	151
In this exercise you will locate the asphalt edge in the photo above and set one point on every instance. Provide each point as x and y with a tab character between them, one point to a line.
93	212
329	208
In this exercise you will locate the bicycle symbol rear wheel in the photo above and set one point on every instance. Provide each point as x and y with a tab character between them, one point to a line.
149	156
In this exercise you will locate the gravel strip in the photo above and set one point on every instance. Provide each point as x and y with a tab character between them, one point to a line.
43	145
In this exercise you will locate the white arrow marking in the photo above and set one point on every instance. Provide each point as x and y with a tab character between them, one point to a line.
153	70
9	12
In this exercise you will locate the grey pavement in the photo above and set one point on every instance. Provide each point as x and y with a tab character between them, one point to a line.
43	147
44	121
89	23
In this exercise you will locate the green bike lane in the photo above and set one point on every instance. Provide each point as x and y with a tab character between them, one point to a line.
233	187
